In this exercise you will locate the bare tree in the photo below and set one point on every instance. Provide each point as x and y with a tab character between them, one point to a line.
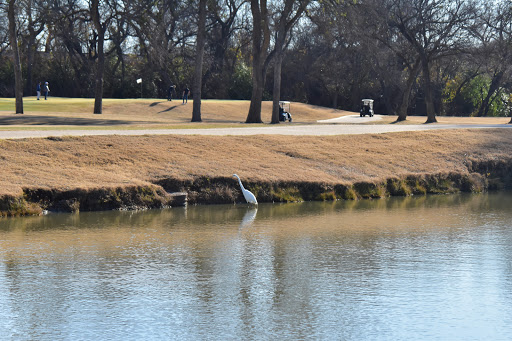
372	19
73	47
119	32
220	47
433	29
198	73
36	20
4	33
101	16
343	59
101	28
286	18
18	79
494	32
165	36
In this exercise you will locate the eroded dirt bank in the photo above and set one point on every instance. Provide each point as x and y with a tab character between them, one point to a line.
115	172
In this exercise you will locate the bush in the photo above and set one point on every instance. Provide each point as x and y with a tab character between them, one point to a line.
241	83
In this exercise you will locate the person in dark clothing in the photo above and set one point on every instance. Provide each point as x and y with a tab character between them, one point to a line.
38	90
185	94
170	91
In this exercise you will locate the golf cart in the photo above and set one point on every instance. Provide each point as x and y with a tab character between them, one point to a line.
284	111
366	108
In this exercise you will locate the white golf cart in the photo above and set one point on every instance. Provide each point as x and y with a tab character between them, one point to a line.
366	108
284	111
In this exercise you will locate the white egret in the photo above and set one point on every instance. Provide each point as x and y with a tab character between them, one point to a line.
251	199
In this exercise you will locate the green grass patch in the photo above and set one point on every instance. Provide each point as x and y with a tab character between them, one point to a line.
287	194
53	104
398	187
326	196
17	206
369	190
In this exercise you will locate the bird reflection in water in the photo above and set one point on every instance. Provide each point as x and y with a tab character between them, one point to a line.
248	218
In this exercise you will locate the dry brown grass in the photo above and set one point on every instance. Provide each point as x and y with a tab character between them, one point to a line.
450	120
108	161
111	161
149	113
136	113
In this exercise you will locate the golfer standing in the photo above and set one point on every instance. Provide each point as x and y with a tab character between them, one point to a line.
185	94
46	90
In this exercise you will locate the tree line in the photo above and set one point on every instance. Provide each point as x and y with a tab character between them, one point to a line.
413	57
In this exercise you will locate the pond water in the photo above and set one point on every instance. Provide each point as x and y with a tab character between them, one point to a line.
424	268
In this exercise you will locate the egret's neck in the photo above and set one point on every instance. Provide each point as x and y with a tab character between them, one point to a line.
240	182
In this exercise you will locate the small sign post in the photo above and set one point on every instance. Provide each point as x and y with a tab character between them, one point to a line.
139	81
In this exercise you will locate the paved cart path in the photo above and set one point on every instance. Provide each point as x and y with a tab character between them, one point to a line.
281	129
352	119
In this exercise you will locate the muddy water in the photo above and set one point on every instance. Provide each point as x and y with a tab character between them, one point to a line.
437	267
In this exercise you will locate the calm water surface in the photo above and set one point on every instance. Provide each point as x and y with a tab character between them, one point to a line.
436	268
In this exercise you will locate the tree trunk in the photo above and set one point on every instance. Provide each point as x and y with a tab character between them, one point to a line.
278	62
98	92
429	104
198	76
260	43
254	115
413	74
335	96
18	79
277	86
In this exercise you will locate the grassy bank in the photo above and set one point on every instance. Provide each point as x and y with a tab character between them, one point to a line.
115	172
143	113
159	113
